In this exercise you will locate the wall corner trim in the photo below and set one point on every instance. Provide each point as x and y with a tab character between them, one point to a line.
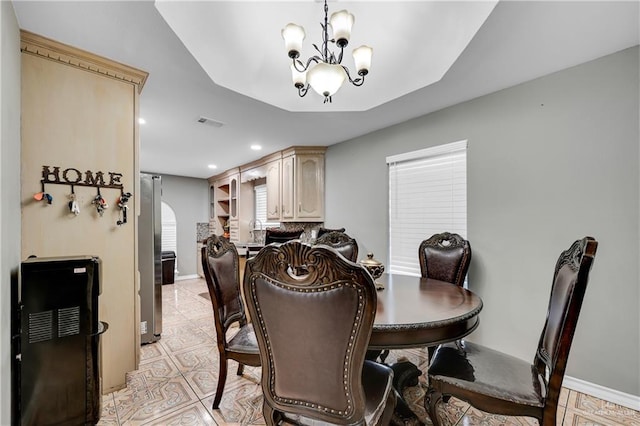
187	277
607	394
38	45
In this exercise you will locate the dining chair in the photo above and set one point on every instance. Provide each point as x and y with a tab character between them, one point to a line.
343	243
498	383
313	315
445	257
221	271
277	235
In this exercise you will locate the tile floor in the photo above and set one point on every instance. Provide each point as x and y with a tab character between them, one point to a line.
177	379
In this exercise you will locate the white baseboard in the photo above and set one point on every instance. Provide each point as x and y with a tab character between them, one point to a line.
187	277
611	395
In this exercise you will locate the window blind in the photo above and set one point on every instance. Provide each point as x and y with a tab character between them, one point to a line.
169	238
427	195
261	207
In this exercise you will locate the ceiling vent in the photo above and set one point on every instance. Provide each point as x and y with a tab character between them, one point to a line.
210	121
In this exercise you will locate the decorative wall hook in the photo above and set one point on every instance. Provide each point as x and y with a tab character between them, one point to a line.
122	204
74	177
100	203
73	203
43	196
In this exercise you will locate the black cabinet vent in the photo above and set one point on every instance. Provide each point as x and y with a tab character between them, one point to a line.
40	325
69	321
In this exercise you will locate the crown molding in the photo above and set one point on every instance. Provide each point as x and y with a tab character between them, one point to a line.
38	45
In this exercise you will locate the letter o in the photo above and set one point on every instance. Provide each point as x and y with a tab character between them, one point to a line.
78	175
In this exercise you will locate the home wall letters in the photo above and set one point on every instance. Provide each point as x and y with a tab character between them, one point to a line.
73	176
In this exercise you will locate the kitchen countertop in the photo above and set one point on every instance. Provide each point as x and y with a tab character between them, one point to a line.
245	244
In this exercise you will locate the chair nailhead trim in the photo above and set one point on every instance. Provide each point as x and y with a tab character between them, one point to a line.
354	329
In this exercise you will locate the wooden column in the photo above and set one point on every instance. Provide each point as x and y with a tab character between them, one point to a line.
79	113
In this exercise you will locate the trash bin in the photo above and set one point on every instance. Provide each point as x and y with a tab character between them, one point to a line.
168	266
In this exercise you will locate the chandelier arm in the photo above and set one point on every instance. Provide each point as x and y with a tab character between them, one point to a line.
300	67
321	52
340	57
359	81
302	91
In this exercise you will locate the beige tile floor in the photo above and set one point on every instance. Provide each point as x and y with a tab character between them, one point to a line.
178	375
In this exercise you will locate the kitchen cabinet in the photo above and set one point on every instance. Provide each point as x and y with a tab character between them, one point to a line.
200	270
295	190
309	172
303	187
212	202
226	195
287	189
274	201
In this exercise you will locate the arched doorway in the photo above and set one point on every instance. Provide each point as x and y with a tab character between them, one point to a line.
169	231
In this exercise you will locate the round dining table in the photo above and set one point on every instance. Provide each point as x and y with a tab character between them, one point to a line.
417	312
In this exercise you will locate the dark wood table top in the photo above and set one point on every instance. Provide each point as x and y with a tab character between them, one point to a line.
417	312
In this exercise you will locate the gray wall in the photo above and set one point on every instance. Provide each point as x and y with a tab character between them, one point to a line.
189	199
9	190
549	161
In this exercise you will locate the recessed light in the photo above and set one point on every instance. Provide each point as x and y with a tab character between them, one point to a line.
256	147
212	166
142	120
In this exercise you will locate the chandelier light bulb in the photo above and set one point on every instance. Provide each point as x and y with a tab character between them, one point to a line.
293	35
341	23
362	58
299	78
326	79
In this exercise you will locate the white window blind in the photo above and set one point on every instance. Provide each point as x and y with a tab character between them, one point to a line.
169	231
261	207
427	195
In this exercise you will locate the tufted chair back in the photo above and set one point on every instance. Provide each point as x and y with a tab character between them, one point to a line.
277	235
313	315
322	230
567	293
445	257
344	244
223	281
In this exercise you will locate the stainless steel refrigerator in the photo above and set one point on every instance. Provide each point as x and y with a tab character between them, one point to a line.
150	258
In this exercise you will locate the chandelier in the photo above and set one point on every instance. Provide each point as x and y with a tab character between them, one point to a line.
324	72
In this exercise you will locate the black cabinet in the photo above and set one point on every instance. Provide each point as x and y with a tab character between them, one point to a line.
57	369
168	267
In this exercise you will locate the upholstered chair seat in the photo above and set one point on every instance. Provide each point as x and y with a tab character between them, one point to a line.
481	370
244	341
